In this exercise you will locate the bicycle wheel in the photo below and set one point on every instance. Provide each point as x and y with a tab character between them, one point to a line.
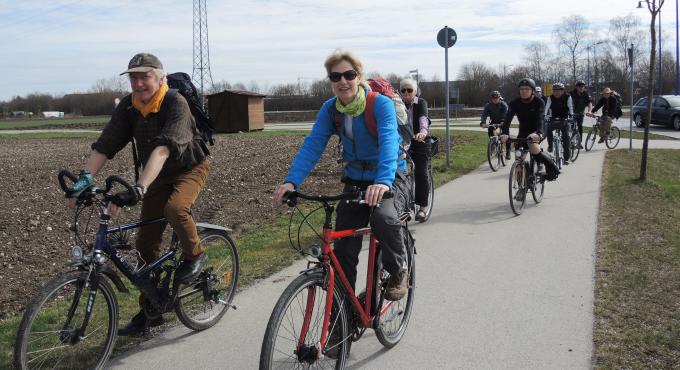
49	334
517	188
559	154
574	142
202	305
590	139
501	153
492	155
613	138
537	183
395	315
293	333
430	195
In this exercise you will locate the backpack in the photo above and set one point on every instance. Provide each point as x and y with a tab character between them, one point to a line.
381	86
618	111
180	83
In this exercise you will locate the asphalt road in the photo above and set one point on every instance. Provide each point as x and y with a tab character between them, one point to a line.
493	291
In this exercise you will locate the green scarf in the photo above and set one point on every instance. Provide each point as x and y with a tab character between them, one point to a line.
356	107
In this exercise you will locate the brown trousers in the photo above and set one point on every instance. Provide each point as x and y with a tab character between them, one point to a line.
172	197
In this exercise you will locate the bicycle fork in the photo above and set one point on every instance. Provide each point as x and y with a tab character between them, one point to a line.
74	336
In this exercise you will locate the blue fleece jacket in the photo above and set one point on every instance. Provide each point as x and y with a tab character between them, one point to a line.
363	148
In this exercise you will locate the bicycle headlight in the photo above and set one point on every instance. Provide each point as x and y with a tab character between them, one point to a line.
76	253
518	153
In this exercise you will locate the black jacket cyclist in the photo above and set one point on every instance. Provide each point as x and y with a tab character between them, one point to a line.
558	108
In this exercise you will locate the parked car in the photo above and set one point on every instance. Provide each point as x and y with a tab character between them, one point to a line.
665	111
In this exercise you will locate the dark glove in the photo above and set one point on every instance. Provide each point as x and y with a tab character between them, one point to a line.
85	181
126	198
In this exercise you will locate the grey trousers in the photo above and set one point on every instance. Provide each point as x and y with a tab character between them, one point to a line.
386	227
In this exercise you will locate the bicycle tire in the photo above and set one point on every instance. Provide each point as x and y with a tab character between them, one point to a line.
501	153
538	183
430	195
590	139
559	154
574	142
613	138
390	335
286	321
492	155
44	312
193	309
517	187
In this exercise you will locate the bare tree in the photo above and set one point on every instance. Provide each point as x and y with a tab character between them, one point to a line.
114	83
476	81
570	35
623	31
538	54
654	11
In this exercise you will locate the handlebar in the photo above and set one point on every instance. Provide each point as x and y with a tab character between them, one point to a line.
110	182
291	197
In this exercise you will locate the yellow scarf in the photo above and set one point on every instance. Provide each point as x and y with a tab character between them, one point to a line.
154	105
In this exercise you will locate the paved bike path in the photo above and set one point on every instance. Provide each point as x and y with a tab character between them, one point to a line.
494	291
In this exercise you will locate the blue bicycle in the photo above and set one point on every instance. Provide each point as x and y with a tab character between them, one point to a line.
72	321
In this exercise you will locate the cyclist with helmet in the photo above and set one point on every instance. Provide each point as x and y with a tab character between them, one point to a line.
496	109
581	99
529	109
558	108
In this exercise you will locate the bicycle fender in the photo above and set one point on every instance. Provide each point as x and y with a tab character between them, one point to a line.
205	225
113	276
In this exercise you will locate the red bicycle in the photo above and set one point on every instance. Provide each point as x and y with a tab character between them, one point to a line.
318	315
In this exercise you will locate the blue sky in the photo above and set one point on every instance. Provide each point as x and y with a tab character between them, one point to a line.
64	46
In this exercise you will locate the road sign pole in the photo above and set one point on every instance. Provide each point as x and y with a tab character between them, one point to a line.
446	76
632	77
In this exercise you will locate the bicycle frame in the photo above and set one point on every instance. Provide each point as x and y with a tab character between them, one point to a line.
331	264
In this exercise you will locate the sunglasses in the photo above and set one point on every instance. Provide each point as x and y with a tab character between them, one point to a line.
404	91
348	75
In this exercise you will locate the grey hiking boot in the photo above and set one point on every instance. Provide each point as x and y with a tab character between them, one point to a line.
397	286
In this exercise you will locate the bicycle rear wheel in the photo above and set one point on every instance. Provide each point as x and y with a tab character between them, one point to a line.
395	315
613	138
492	155
202	304
537	183
574	142
49	334
293	333
590	139
517	187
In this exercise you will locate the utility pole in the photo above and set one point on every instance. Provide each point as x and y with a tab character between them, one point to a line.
201	74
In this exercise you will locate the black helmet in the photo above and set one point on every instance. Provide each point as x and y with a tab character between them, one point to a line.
558	86
527	82
580	83
495	94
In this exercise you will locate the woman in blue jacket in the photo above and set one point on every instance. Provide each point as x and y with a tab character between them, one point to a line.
371	164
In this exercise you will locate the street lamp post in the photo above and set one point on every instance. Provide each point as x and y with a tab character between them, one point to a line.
588	48
412	72
677	52
503	82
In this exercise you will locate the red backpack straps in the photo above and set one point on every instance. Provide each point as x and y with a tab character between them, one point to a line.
369	116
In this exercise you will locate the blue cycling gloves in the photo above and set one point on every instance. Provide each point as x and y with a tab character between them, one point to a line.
85	180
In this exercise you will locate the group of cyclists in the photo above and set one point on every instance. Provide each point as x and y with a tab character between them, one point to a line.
175	167
539	116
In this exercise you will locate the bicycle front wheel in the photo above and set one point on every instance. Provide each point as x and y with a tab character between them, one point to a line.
537	183
613	138
590	139
293	333
395	315
517	187
575	143
54	332
430	194
492	155
201	305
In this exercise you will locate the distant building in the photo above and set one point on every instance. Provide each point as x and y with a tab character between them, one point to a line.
236	110
53	114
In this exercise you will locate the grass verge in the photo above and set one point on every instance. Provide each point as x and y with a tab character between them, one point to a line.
641	135
48	135
637	296
266	250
